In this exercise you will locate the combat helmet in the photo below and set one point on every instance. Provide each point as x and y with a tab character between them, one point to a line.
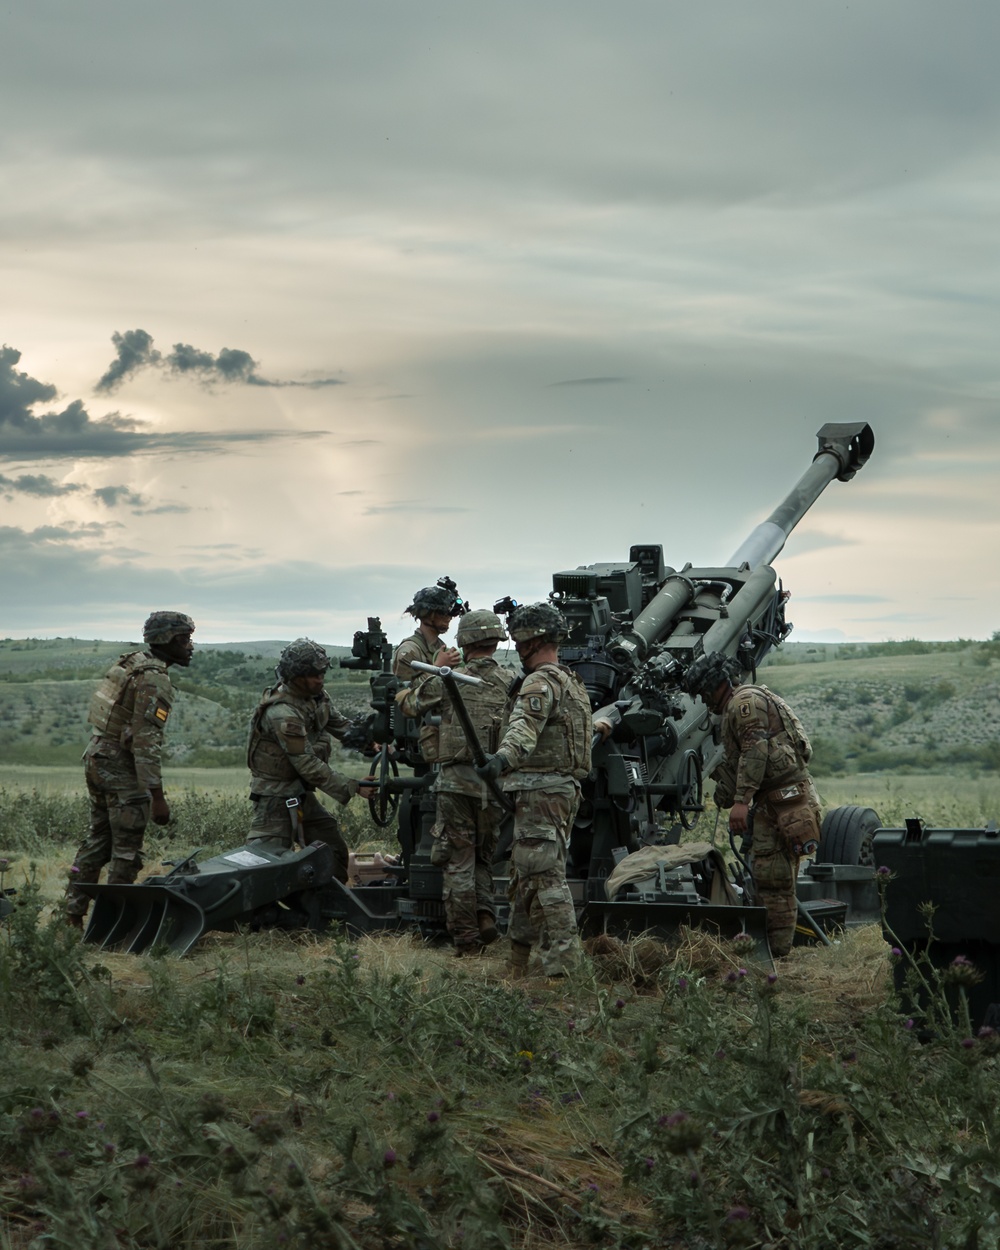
708	672
476	628
431	599
302	658
161	627
537	620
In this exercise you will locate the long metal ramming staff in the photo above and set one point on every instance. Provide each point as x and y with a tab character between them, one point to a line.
450	680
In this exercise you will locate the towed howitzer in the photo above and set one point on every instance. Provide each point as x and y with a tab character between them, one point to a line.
634	630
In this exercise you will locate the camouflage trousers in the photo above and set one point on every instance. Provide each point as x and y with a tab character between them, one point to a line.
465	837
542	911
119	813
274	823
779	830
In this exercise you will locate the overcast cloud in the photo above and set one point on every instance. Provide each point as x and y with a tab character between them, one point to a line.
513	288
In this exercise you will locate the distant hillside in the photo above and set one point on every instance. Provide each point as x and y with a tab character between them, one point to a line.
45	688
911	706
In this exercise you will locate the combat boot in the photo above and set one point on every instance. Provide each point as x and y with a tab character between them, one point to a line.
520	952
488	931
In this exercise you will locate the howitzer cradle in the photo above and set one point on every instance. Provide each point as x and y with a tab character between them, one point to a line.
634	629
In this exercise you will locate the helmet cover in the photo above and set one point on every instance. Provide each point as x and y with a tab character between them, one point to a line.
161	627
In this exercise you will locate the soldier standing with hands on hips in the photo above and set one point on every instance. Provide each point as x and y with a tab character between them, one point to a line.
764	780
544	753
128	713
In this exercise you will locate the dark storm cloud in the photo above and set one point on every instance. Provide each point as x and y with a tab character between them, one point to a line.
37	484
134	351
115	496
163	508
71	430
74	432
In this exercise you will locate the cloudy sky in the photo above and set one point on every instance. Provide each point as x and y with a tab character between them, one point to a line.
306	305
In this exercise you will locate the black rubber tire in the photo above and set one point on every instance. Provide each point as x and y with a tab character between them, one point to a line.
846	836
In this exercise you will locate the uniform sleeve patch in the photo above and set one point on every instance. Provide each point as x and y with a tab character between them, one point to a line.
161	713
535	703
746	709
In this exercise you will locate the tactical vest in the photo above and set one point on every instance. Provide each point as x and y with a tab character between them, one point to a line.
112	705
565	740
789	749
485	705
266	758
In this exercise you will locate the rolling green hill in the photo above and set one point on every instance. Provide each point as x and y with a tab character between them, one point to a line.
897	706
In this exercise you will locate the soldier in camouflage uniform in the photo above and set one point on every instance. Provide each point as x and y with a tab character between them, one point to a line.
128	713
433	607
288	754
765	765
545	753
468	817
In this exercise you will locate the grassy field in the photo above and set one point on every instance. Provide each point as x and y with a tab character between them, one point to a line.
277	1090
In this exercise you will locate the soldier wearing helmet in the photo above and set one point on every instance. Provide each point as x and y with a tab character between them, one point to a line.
128	713
764	781
432	608
467	817
288	754
544	753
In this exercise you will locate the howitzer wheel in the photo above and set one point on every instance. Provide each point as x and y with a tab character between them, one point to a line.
847	836
691	790
383	805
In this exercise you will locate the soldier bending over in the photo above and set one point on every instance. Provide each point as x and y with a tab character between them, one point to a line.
763	779
288	754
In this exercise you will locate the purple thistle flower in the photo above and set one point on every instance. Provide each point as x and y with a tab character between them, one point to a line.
619	1003
649	1162
571	1025
389	1159
737	1214
682	983
433	1117
771	978
907	1024
896	953
883	871
82	1115
300	979
968	1042
141	1162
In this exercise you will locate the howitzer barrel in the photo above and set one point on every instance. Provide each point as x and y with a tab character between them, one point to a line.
844	448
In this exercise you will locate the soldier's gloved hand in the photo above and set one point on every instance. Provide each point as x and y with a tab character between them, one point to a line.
160	809
492	767
738	815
